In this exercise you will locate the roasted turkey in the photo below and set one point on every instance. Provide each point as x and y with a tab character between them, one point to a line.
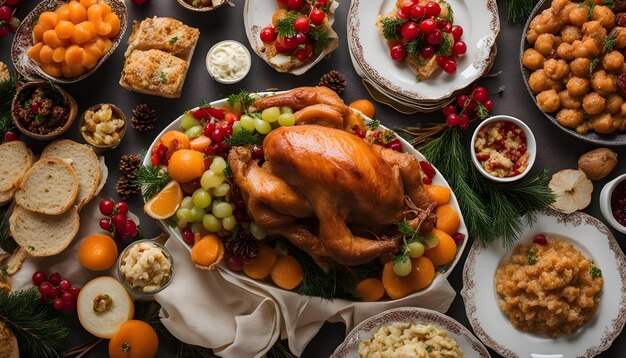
327	191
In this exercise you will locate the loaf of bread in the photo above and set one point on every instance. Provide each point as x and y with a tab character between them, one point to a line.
49	187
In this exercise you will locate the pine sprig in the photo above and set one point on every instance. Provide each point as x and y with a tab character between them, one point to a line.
390	28
609	42
38	334
284	26
151	179
519	10
240	102
7	92
6	241
243	138
321	38
445	46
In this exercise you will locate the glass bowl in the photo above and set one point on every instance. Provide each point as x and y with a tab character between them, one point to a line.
137	290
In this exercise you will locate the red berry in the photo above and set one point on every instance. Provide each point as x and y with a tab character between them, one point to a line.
155	160
209	127
441	60
452	120
321	3
122	207
302	24
464	121
12	3
449	109
428	26
65	285
54	293
457	32
461	99
118	220
409	31
458	238
217	135
58	303
290	43
130	229
69	306
5	13
188	236
361	133
4	29
105	224
305	53
449	67
459	48
14	23
488	104
295	4
235	263
301	38
397	52
428	51
280	47
55	278
66	296
417	12
432	8
39	277
395	145
427	168
107	206
317	16
470	105
480	94
435	37
257	152
268	34
404	13
45	288
427	180
74	291
10	136
444	26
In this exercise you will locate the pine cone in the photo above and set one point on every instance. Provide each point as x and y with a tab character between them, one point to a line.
143	118
126	188
244	245
128	164
335	81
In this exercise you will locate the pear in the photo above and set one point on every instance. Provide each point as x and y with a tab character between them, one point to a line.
103	306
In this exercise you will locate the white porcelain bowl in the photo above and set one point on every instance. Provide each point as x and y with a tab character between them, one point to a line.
605	203
531	146
217	76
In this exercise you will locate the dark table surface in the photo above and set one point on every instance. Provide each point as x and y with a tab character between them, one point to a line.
556	150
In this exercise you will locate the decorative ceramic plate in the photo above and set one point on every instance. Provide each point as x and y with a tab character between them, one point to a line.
468	343
23	41
596	242
591	137
437	179
257	14
479	19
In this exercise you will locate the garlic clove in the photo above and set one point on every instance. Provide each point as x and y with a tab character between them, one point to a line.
572	190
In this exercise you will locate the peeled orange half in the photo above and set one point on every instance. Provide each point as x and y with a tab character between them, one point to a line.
166	202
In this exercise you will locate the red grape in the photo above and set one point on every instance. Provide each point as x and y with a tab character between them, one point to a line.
317	16
457	32
39	277
428	26
268	34
295	4
459	48
305	53
107	206
45	288
480	94
409	31
66	296
302	24
118	220
417	12
130	229
188	236
74	291
54	293
428	51
398	53
432	8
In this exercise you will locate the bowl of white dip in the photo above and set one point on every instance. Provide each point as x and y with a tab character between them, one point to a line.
228	61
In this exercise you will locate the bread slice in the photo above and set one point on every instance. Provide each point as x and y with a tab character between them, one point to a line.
6	196
15	160
165	34
43	235
8	343
85	164
49	187
154	72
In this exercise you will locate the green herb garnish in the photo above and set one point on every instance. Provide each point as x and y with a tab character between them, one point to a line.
243	138
532	256
445	46
321	38
590	8
39	119
151	179
609	42
428	348
592	65
412	48
284	26
163	77
228	172
595	271
450	17
609	3
481	111
240	102
173	40
374	124
390	28
31	248
172	222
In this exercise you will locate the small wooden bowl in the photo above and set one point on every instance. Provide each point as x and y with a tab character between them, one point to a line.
69	101
117	113
188	6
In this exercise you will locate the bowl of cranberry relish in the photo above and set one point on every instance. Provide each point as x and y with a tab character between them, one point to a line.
613	203
503	148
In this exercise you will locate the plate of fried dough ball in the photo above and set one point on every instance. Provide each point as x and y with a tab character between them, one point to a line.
572	60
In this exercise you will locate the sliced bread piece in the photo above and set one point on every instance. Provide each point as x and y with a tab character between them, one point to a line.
49	187
15	160
6	196
85	164
43	235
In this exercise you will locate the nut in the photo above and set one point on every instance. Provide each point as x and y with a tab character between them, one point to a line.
598	163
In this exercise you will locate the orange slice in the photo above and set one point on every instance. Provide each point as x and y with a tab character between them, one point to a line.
166	202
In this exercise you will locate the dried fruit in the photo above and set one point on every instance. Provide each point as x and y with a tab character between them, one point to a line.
572	190
598	163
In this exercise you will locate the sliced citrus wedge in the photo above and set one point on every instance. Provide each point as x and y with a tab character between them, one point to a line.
166	202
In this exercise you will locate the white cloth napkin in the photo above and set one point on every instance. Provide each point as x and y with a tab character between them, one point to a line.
240	317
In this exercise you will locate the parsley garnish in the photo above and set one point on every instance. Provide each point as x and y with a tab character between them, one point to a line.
590	7
31	248
374	124
284	26
173	40
595	271
445	46
450	17
413	48
39	119
592	65
228	172
610	4
163	77
240	102
321	38
532	256
390	28
172	222
242	138
428	348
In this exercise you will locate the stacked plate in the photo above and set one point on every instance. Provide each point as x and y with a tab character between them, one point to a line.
394	83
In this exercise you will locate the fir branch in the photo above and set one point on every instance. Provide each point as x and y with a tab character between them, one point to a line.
609	42
450	17
482	111
152	179
519	10
609	3
321	38
284	26
38	334
7	92
592	65
390	28
413	48
240	102
590	5
280	350
445	46
373	124
6	241
243	138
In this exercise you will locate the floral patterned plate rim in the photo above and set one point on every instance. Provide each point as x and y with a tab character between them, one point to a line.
366	329
595	241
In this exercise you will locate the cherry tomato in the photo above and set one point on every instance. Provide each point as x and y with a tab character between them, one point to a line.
290	42
321	3
398	53
305	53
432	8
268	34
488	104
435	37
457	32
441	60
428	51
295	4
403	13
480	94
417	12
428	26
301	38
409	31
302	24
280	47
317	16
459	48
5	12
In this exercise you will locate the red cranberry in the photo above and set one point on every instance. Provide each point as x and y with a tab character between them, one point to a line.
428	26
450	67
397	52
45	288
427	168
435	37
74	291
459	48
458	237
39	277
107	206
488	104
409	31
66	296
395	145
54	293
58	304
540	239
427	180
428	51
295	4
452	120
417	12
188	236
69	306
268	34
457	32
130	229
464	121
432	8
55	278
118	220
105	224
122	207
10	136
65	285
235	263
449	109
302	24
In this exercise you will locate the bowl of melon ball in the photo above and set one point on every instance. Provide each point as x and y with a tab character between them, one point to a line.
65	42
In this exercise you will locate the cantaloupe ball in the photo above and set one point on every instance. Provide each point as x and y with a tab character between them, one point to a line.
45	54
51	39
107	46
94	13
114	21
63	13
39	29
106	9
34	51
59	55
103	28
78	13
88	3
94	49
74	56
89	61
48	17
64	29
52	69
83	32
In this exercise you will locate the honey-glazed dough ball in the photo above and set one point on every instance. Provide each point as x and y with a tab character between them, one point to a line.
613	103
580	67
602	84
555	69
531	36
586	48
557	5
602	123
620	38
622	110
584	127
546	22
570	33
605	16
545	44
570	118
594	30
593	103
548	101
538	82
577	86
619	122
563	14
579	15
613	61
564	51
568	101
532	59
